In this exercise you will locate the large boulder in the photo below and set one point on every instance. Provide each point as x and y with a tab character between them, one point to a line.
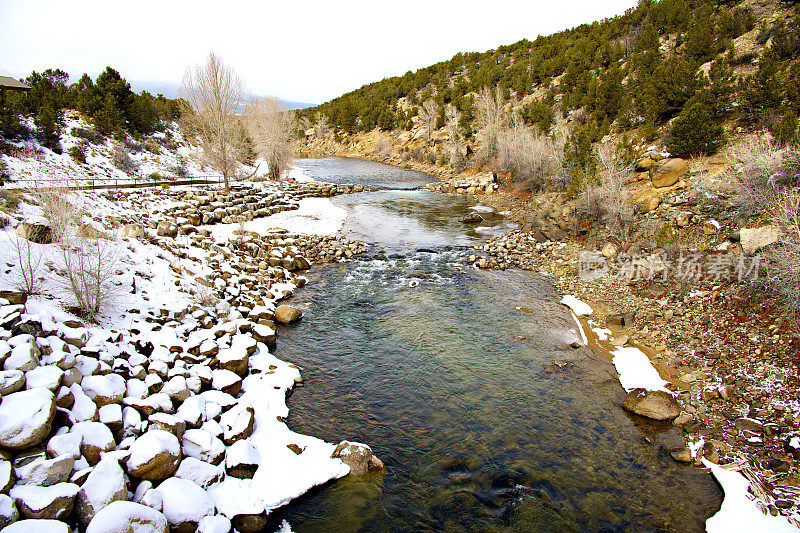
154	456
658	405
202	445
104	485
667	172
286	314
358	457
128	517
97	439
104	390
237	423
133	231
54	502
754	239
26	417
184	504
35	232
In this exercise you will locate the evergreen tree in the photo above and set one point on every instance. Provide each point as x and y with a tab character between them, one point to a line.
785	130
109	120
87	97
700	40
10	110
49	121
695	132
720	87
764	89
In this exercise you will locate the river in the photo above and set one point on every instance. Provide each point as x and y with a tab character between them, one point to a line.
453	377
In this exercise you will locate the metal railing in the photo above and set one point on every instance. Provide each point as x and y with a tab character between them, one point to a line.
130	182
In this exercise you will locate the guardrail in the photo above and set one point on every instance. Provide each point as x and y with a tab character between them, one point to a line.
122	183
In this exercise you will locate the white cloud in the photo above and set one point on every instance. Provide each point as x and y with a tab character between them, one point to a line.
307	51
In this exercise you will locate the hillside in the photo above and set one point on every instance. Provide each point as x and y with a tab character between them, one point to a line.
630	76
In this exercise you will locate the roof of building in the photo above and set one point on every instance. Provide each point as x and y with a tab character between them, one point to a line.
7	82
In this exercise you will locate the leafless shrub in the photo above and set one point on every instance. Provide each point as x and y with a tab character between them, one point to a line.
491	120
531	158
761	174
452	119
428	114
617	213
322	126
784	258
29	261
122	160
90	264
271	126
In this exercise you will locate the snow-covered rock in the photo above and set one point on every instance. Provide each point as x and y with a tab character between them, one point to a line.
128	517
53	502
11	381
185	503
104	485
226	381
203	446
97	438
45	472
7	478
202	473
214	524
26	418
8	511
65	444
38	526
83	408
47	377
358	457
242	460
154	456
237	423
104	389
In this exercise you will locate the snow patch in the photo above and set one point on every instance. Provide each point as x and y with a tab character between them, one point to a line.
636	371
739	512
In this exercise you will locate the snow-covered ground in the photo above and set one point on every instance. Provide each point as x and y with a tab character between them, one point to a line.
159	296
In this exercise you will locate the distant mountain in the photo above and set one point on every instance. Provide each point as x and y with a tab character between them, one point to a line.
172	90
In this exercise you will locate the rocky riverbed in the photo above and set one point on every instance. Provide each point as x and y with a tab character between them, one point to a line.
729	358
168	412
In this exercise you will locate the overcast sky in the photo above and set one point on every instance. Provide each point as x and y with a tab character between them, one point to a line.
307	51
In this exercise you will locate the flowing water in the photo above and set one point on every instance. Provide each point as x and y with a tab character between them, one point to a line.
452	375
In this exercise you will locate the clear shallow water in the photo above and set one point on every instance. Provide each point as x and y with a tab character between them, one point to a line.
363	172
452	376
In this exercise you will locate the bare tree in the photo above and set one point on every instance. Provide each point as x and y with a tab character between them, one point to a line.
452	118
30	257
214	95
491	120
532	158
617	213
428	115
322	126
271	127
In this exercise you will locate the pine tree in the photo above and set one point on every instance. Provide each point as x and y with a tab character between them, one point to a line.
49	121
109	120
695	132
